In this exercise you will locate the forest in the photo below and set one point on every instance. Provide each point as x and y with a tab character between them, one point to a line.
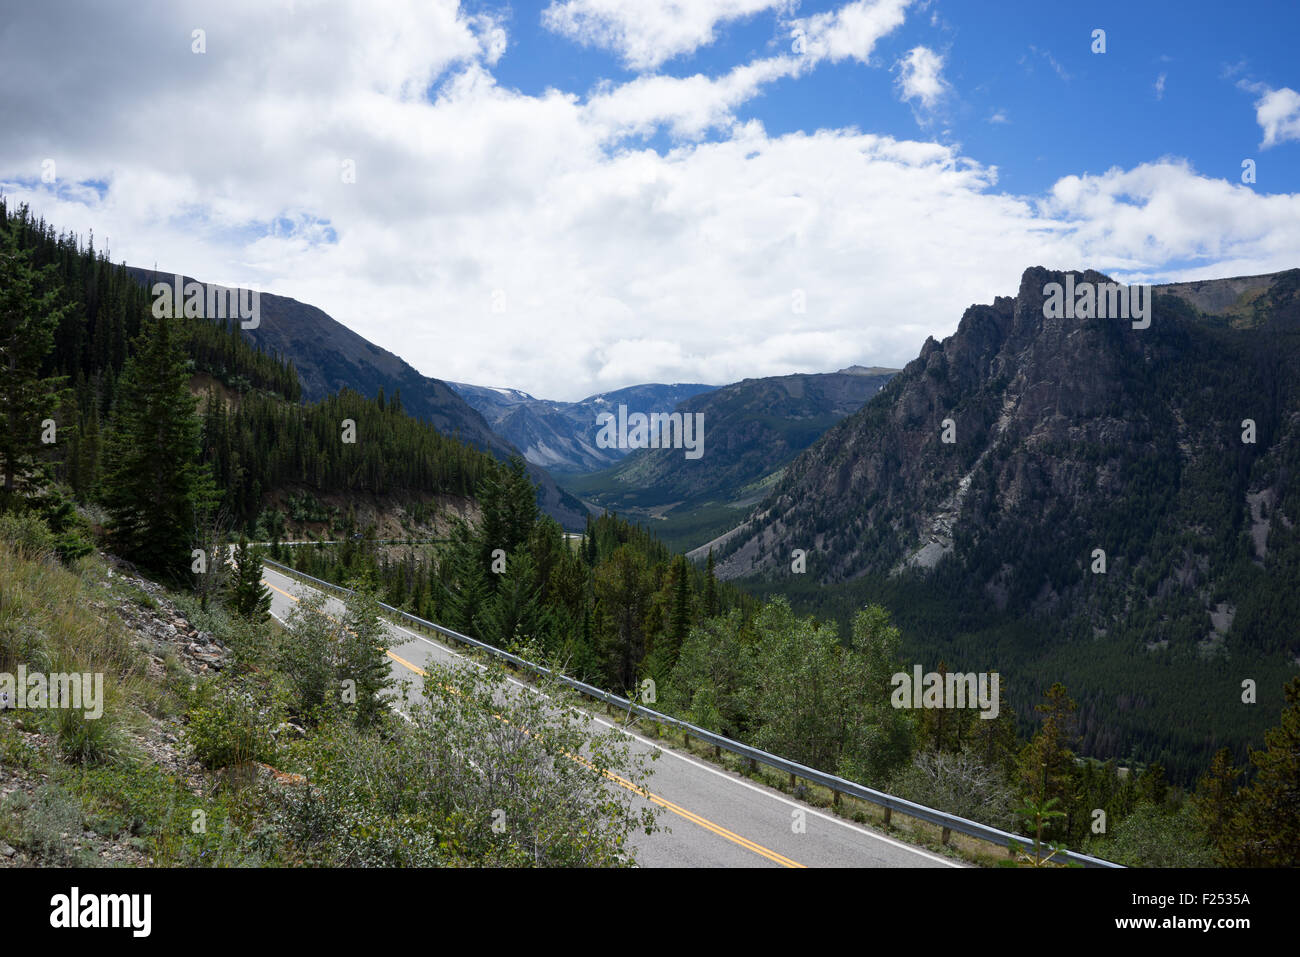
140	468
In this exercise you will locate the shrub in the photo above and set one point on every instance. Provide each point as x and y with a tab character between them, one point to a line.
960	784
226	727
53	813
27	535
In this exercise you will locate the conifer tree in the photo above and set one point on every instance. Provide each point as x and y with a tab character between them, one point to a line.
249	597
467	589
515	613
679	620
1047	770
621	585
154	487
1265	831
29	315
710	589
1215	802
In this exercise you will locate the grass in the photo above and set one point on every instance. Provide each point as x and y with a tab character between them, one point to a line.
54	618
910	830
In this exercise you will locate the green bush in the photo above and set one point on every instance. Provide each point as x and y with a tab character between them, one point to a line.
1156	837
227	727
28	535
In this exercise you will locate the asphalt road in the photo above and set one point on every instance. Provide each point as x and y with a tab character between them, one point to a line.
712	818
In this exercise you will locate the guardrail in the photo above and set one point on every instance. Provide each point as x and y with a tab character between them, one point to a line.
361	541
837	785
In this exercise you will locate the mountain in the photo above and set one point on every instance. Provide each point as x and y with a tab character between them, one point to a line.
1118	505
561	436
752	429
329	356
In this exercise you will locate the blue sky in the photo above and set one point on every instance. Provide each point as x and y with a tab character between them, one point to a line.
1065	109
573	196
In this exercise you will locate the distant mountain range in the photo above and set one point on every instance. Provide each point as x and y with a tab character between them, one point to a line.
752	429
330	356
561	436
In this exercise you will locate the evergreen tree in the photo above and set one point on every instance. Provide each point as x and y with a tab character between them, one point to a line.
710	589
154	487
467	588
515	614
249	597
508	499
680	616
29	316
621	585
1047	769
1215	801
1265	831
994	739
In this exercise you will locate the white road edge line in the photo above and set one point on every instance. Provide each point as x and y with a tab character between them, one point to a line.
704	767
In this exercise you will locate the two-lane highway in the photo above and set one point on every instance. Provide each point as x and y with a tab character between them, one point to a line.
712	818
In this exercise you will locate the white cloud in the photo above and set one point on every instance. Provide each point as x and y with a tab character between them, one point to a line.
688	106
648	32
1134	221
851	32
1277	112
999	116
920	78
617	264
1160	86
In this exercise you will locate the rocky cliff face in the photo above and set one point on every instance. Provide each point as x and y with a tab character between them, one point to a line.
1023	442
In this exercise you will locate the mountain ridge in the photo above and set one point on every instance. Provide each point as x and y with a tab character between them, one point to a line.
329	356
561	436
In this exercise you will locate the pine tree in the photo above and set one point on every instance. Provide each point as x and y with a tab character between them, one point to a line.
710	589
1265	832
154	488
467	588
994	739
249	597
29	316
679	620
515	613
1215	801
622	587
1047	769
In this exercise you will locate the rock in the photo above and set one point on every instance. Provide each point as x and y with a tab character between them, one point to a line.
7	851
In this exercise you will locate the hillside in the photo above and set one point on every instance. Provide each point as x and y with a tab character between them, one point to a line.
1071	436
561	436
752	429
328	356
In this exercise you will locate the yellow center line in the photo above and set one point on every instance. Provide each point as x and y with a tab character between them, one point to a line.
667	805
